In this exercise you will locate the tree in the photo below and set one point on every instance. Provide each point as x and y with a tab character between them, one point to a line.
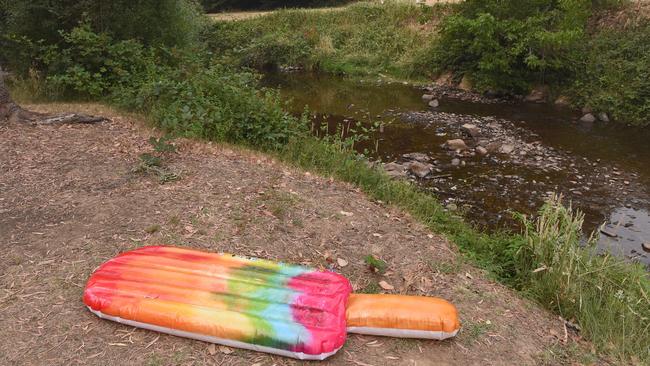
12	112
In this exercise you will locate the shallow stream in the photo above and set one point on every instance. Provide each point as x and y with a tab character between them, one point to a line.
603	169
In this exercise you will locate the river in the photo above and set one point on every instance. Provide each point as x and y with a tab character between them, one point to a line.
603	169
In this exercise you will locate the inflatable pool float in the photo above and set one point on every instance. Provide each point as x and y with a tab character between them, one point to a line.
254	304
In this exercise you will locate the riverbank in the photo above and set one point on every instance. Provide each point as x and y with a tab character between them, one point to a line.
99	203
603	73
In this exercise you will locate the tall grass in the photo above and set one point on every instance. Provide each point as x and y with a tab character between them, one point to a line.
607	297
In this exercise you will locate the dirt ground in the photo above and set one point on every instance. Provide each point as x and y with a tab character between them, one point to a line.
70	199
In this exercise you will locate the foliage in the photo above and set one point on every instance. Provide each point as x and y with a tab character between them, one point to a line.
215	103
90	64
375	264
160	22
509	45
363	38
153	163
616	76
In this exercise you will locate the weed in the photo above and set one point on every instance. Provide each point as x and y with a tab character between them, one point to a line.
150	163
375	264
371	288
446	267
162	145
152	229
474	330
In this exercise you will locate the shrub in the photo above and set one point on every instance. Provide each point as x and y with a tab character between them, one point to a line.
219	104
89	64
509	45
616	76
159	22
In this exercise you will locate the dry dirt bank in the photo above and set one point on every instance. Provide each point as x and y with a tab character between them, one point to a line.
69	200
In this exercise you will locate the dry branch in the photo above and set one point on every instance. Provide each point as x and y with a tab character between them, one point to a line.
11	111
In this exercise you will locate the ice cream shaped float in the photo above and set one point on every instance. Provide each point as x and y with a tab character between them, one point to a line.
254	304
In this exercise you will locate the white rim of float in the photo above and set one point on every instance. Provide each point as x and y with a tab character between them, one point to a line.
217	340
403	333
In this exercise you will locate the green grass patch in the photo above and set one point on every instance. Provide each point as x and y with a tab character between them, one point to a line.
364	38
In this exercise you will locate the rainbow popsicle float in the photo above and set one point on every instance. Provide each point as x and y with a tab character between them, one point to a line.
253	304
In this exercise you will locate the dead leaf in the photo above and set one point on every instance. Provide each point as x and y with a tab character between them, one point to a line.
377	235
212	349
386	286
345	213
342	262
225	350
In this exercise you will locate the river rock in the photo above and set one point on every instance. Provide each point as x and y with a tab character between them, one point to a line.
603	117
507	148
434	103
456	144
471	129
395	170
537	95
481	151
445	79
465	84
588	118
562	101
427	97
455	162
493	147
420	170
609	231
646	246
423	158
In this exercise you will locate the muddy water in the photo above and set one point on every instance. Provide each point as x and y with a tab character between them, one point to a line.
602	169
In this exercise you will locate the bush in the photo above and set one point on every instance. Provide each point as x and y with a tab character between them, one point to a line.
160	22
90	65
509	45
616	76
217	103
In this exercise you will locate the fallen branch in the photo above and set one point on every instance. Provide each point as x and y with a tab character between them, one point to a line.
12	112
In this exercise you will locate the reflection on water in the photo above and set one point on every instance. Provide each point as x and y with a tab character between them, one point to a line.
488	189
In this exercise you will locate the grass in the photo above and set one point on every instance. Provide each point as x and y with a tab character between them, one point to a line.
364	38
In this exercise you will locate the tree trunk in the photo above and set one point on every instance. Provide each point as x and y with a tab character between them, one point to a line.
10	111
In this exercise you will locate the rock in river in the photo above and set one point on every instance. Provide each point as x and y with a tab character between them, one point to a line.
434	103
609	230
646	246
537	95
420	170
427	97
421	157
507	148
471	129
481	151
456	144
395	170
455	162
588	118
603	117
